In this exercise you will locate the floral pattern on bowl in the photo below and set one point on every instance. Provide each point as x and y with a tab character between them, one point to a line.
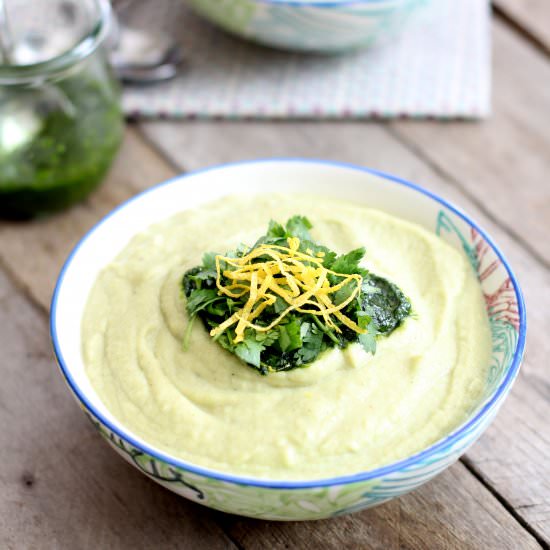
309	25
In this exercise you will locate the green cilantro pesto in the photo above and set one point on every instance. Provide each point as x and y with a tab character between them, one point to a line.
77	129
299	338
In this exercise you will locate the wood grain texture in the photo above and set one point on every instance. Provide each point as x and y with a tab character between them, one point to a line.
531	16
504	163
519	472
440	515
60	485
59	469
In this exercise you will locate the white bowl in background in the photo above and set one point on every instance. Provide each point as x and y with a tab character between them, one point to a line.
309	25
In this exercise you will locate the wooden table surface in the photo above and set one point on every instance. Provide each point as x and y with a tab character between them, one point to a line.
61	487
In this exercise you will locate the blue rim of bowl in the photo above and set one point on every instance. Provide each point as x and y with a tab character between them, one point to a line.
449	440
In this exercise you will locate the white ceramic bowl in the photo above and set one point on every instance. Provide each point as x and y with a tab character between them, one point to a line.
309	25
280	499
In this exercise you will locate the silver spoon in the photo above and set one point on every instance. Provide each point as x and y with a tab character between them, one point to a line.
138	57
166	68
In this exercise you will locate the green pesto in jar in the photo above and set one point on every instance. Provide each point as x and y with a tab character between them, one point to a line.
76	128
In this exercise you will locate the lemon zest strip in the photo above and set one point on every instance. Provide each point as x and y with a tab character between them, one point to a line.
299	279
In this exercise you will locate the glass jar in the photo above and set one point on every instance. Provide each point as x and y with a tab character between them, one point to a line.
60	118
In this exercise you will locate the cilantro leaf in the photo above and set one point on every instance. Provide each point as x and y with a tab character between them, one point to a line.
349	263
312	342
289	335
299	226
249	350
279	305
267	338
275	230
209	261
367	340
324	254
199	299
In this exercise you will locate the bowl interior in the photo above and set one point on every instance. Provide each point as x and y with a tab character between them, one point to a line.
103	243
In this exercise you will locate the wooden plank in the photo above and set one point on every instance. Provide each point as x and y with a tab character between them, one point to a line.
70	470
504	162
34	252
61	486
531	16
515	450
518	472
451	512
